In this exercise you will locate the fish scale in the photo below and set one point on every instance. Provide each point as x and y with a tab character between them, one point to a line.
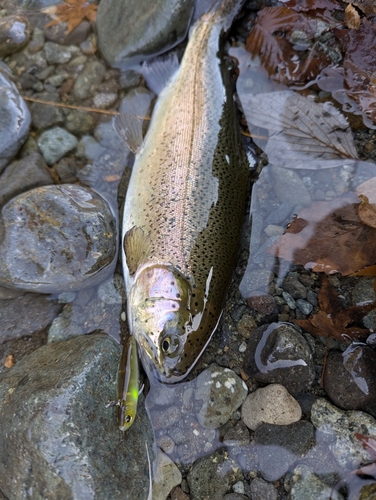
185	207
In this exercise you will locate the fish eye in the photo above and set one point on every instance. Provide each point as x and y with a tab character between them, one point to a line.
128	419
170	345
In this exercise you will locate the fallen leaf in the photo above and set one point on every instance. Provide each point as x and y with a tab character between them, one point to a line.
332	321
367	271
367	212
305	5
352	18
302	133
9	361
366	6
71	11
332	238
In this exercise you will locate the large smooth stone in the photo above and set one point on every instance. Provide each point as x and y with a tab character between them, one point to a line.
141	30
55	239
15	32
14	120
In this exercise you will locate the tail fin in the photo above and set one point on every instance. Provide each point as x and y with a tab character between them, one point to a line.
223	11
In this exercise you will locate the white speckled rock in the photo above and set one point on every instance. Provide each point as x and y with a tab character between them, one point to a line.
219	392
272	405
167	476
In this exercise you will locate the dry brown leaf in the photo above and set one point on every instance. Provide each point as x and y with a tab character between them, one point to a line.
352	17
9	361
302	133
367	271
367	212
366	6
71	11
333	239
368	188
332	321
305	5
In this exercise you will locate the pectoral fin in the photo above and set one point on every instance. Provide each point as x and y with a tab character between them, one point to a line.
137	247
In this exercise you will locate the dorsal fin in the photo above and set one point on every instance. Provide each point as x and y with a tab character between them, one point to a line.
137	246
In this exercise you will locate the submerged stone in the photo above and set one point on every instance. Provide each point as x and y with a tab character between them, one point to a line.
55	239
55	143
15	32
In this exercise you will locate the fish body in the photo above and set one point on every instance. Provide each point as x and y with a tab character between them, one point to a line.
185	206
128	382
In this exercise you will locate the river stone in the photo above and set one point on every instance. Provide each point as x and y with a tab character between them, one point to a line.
15	33
167	476
142	30
337	428
262	490
26	315
288	186
55	143
19	176
44	116
271	404
211	477
349	377
14	120
297	437
63	440
308	486
55	239
92	75
219	392
279	354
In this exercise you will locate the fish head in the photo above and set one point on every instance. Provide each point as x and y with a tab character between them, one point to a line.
159	317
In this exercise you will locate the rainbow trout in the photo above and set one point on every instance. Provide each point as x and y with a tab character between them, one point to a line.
185	206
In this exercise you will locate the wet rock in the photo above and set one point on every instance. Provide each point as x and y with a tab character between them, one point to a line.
294	287
26	315
44	116
237	435
368	491
77	122
55	143
178	494
53	407
235	496
15	33
307	486
91	76
66	169
246	325
222	471
112	291
255	280
140	31
55	239
64	327
288	185
19	176
337	428
56	54
167	476
9	293
349	377
14	120
363	292
104	100
219	392
58	33
262	490
279	354
263	304
296	438
271	404
274	462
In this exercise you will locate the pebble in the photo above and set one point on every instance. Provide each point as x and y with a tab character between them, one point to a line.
15	32
112	291
308	486
104	100
223	472
337	429
304	306
294	287
14	120
56	54
44	116
55	143
37	41
167	476
262	490
271	404
219	392
255	280
237	435
140	32
289	300
38	224
263	304
21	175
80	123
288	185
87	82
349	377
279	354
297	437
58	33
363	292
53	403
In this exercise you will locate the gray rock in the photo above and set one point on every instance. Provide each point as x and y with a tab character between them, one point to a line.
304	306
219	392
262	490
63	328
19	176
167	476
43	115
55	143
288	185
349	377
77	122
279	354
15	33
112	290
104	100
297	437
363	292
26	315
255	280
55	239
9	293
58	33
56	54
307	486
54	417
337	428
235	496
274	461
141	31
222	471
294	287
66	169
87	82
14	120
237	435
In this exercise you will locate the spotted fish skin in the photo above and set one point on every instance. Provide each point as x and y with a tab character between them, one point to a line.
185	207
